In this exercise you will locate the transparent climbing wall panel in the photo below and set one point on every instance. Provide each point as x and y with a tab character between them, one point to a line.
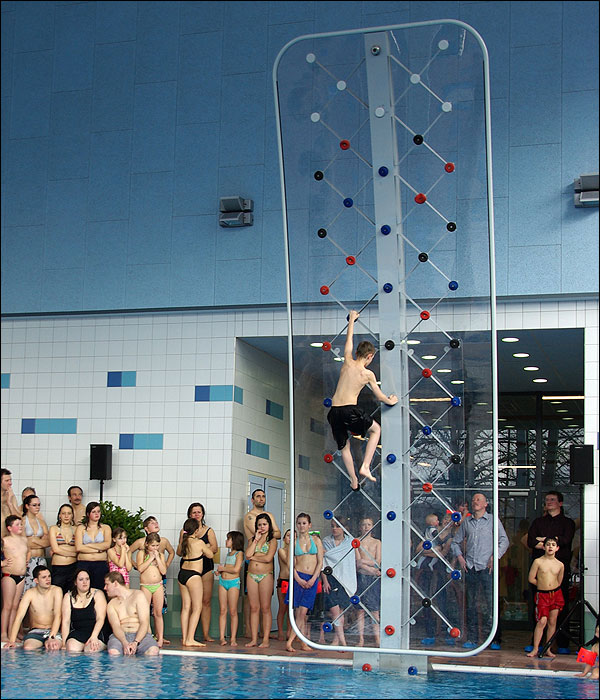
387	196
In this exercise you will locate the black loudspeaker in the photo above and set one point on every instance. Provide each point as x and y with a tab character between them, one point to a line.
101	462
582	464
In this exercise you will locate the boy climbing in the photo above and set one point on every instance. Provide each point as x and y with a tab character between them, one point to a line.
345	416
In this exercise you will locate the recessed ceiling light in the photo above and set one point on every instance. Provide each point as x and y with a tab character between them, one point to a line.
425	412
510	426
573	426
338	359
509	340
490	412
316	345
562	410
443	371
531	368
481	403
540	381
457	381
568	418
413	342
553	401
423	464
520	354
502	419
429	357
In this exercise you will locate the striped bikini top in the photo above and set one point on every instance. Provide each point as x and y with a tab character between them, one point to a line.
61	540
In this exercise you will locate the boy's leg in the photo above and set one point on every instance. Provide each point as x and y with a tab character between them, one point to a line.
537	636
552	618
349	464
372	439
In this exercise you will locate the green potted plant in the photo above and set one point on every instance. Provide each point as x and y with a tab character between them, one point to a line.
132	523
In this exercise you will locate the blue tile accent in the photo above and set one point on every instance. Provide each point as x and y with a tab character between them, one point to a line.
49	426
126	441
222	392
202	393
317	426
5	381
257	449
27	425
128	378
113	379
274	409
238	394
148	441
304	462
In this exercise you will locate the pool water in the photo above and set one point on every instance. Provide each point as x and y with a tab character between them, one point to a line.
37	674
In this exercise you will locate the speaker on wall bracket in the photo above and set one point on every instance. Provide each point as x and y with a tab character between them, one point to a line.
101	462
582	464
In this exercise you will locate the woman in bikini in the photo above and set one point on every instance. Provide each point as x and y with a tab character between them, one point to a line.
194	552
196	511
92	541
260	554
283	583
152	567
38	539
83	616
119	558
62	544
308	561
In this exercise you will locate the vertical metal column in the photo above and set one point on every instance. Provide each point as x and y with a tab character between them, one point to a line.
395	467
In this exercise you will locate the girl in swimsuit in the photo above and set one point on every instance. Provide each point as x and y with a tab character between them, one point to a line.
194	552
229	585
62	544
283	582
308	560
83	616
38	539
196	511
92	541
119	558
260	554
152	567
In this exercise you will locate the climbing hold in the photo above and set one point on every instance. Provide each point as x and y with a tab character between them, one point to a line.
348	202
427	545
455	343
453	285
355	600
451	226
427	487
327	571
426	602
449	167
383	171
426	430
391	458
327	403
455	400
324	290
456	517
427	373
391	515
423	257
326	346
455	459
366	668
350	260
318	175
425	315
412	671
328	515
390	573
322	232
420	198
455	632
418	139
344	144
328	458
327	627
385	229
355	543
390	345
455	575
389	630
387	287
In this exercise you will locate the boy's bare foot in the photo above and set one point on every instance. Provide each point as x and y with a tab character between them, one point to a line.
550	654
533	653
289	647
354	485
366	472
251	644
223	642
233	643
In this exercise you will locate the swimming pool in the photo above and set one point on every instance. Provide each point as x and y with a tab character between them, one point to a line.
61	675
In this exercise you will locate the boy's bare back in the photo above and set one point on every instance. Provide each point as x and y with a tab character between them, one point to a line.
353	378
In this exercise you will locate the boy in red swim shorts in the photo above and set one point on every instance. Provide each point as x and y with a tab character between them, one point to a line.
546	574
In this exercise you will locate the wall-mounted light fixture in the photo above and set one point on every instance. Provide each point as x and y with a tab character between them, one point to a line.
236	211
586	190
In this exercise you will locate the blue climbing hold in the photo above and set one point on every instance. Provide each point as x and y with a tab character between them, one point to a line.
383	171
455	400
387	287
385	230
391	515
348	202
327	403
426	430
453	285
391	458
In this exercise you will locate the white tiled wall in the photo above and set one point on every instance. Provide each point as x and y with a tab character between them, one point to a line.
58	368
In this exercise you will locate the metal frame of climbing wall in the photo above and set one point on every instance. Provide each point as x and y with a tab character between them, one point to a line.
400	314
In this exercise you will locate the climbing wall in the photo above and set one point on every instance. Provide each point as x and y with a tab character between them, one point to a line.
385	166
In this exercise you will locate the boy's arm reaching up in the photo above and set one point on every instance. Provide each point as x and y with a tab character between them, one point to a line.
349	346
